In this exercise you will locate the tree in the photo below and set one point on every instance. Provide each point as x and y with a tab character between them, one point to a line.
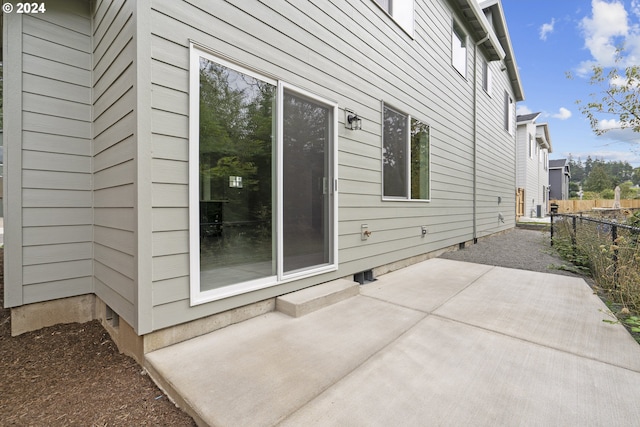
574	188
635	178
598	180
619	171
577	170
618	96
588	165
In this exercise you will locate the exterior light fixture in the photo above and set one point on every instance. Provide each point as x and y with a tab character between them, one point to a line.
352	120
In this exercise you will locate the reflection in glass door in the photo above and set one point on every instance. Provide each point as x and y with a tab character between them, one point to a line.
236	177
261	185
307	183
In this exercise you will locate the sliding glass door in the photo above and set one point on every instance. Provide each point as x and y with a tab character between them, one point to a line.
261	181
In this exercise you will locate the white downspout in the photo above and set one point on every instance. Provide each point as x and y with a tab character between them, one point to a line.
475	134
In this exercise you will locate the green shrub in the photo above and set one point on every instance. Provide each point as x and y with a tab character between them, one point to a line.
590	195
595	250
608	194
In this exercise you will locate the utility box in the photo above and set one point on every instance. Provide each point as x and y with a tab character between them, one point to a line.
539	211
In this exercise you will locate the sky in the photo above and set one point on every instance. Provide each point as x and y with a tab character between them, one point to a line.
551	38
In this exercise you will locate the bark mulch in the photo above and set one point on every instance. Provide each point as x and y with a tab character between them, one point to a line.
73	374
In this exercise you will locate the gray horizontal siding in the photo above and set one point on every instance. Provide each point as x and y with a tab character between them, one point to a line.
311	45
33	217
55	289
114	167
56	234
56	164
36	255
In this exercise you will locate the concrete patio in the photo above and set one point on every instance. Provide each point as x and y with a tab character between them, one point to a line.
441	342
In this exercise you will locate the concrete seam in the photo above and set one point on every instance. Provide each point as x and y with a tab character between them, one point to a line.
536	343
437	307
321	392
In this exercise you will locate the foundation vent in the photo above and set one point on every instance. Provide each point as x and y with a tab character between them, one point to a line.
112	317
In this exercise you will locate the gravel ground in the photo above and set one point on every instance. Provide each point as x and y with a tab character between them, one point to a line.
520	248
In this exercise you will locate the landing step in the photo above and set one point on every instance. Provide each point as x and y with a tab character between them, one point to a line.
305	301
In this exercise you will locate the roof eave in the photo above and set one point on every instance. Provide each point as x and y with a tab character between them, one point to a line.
478	22
542	135
503	36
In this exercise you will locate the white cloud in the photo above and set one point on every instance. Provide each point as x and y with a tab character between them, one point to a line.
635	7
605	30
609	124
563	114
546	29
606	155
619	130
621	81
521	110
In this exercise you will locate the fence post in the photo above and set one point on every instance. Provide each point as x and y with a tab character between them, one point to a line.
551	228
573	236
614	237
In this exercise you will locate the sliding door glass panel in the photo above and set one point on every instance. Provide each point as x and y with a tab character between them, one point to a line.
307	180
237	133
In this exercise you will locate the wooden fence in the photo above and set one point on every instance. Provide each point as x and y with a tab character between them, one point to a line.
575	206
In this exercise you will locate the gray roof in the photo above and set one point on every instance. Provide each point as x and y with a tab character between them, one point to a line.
558	163
527	117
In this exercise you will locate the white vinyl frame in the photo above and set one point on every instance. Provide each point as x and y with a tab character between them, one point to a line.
407	24
333	234
408	161
196	295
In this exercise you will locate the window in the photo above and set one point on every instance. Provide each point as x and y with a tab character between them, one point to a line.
508	113
531	144
401	11
405	157
487	77
261	180
546	160
459	50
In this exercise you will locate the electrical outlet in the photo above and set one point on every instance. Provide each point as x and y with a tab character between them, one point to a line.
364	232
424	230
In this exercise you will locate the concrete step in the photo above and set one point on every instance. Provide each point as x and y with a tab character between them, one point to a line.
305	301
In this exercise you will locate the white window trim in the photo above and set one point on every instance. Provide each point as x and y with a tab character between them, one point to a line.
197	296
509	110
546	160
487	78
408	160
457	33
410	31
531	149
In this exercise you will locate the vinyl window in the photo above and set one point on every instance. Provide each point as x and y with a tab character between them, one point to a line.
401	11
459	50
405	157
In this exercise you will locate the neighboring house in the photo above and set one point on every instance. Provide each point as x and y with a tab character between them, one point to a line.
559	177
173	160
533	148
